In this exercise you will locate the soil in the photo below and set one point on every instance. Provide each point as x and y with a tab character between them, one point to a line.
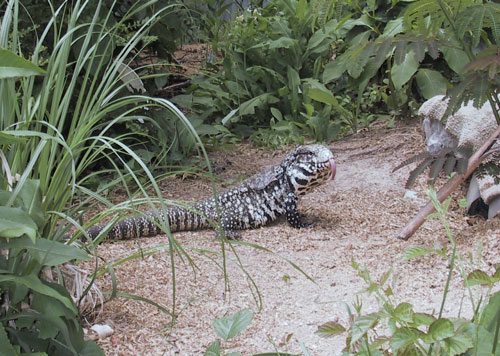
356	217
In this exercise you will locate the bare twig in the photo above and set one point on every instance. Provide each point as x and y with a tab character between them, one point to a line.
448	188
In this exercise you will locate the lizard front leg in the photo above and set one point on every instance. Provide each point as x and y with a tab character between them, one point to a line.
292	214
229	227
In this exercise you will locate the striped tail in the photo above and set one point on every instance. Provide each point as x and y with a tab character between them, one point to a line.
180	219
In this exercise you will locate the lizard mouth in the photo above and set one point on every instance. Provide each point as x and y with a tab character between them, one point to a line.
333	166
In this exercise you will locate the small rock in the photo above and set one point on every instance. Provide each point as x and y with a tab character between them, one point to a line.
102	331
411	194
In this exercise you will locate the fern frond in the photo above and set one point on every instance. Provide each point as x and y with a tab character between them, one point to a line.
449	165
433	48
436	167
417	171
488	60
493	20
462	165
322	12
428	16
339	7
382	50
400	53
418	47
475	18
481	90
416	14
459	95
463	154
358	57
412	159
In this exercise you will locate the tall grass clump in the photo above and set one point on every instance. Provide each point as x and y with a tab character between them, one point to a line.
62	128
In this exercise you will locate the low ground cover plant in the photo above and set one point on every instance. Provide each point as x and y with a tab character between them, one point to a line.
399	329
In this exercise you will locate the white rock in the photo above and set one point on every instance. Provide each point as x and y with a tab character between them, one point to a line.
102	331
411	194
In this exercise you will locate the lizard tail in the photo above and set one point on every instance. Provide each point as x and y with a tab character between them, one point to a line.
148	224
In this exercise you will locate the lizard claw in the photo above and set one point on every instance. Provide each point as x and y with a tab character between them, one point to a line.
229	234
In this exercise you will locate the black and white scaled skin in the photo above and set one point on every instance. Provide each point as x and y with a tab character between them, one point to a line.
255	202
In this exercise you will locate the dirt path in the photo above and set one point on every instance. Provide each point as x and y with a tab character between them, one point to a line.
356	216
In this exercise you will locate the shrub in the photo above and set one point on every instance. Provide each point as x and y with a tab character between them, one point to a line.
269	77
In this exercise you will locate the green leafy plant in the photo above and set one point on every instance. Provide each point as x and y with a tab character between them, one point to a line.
273	56
38	316
397	329
55	131
228	327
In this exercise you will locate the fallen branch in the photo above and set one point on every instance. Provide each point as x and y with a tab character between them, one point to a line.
448	188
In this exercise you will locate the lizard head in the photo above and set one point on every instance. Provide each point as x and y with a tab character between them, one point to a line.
308	166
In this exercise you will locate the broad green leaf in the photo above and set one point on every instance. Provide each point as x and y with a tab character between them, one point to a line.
15	222
455	58
6	347
334	69
32	198
404	312
301	9
229	326
47	252
423	319
491	312
293	83
431	83
213	349
248	107
440	329
206	130
404	337
358	63
11	66
362	325
322	95
229	116
330	329
90	348
484	341
393	28
282	42
277	114
402	73
457	344
33	283
496	276
319	42
478	277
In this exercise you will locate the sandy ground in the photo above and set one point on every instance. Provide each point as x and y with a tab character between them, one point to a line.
355	217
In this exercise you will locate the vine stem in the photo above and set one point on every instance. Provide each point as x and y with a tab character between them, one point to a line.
448	188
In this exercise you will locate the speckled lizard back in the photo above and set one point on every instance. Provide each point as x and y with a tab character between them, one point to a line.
254	202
